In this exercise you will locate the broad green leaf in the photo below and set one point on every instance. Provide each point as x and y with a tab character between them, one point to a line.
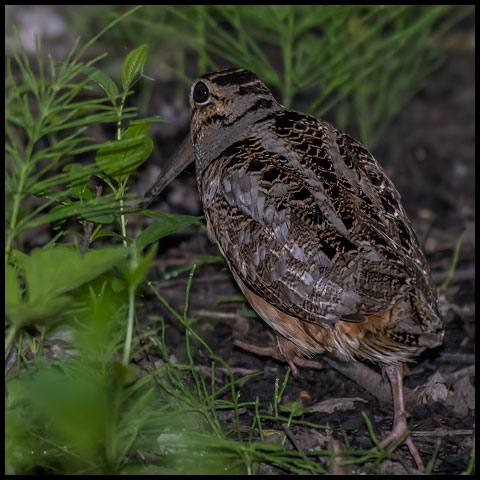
17	257
61	269
295	408
136	273
156	119
79	174
105	233
13	294
133	65
104	81
13	387
122	157
45	308
104	217
167	225
98	210
83	193
137	129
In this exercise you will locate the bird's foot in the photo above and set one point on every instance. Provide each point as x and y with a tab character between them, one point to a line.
400	436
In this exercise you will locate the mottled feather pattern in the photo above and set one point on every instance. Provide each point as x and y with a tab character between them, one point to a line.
310	223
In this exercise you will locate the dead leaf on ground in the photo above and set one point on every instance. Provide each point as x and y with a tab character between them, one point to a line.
333	404
434	390
463	398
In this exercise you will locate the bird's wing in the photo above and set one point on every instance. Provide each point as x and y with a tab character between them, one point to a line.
310	222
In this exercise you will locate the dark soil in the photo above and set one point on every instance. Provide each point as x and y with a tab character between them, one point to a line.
429	155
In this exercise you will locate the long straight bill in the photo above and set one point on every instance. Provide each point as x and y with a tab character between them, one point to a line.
179	161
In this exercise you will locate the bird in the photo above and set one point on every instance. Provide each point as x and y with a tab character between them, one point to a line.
313	231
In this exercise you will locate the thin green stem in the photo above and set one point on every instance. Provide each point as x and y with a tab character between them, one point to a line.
131	313
288	60
471	463
123	224
257	416
121	190
451	270
26	167
17	198
108	27
275	397
119	115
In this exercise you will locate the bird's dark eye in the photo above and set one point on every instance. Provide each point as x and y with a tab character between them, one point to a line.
201	94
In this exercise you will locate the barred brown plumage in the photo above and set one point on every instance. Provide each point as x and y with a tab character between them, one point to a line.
312	229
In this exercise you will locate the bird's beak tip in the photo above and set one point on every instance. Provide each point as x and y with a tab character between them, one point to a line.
177	163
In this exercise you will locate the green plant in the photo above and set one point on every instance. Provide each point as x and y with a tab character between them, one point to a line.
47	117
81	412
45	129
364	62
451	270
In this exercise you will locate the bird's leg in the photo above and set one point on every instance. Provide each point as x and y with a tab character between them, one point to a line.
273	352
280	353
399	431
262	351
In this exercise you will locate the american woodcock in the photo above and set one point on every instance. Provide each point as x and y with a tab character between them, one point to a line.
312	229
